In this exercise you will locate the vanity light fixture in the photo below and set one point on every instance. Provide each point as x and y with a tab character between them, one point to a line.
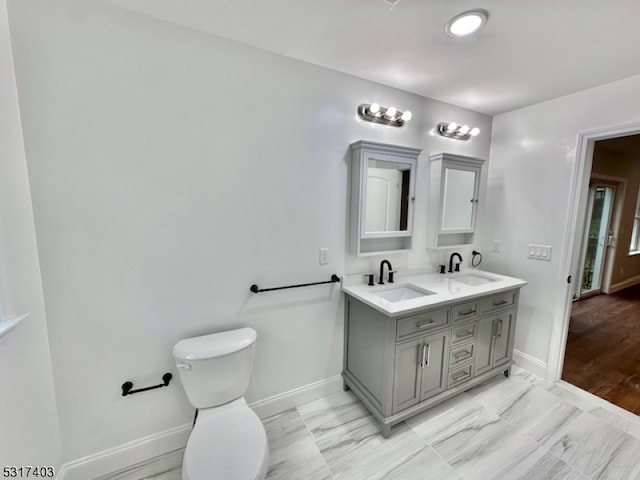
387	116
467	22
459	132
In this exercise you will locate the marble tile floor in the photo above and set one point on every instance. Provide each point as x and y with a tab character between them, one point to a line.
520	427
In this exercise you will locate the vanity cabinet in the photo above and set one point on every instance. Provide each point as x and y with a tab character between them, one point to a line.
399	366
382	196
454	186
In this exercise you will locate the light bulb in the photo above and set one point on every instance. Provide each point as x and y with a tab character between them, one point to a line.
406	116
467	23
463	130
452	127
474	131
374	108
391	112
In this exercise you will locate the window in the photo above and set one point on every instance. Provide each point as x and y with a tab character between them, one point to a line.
635	236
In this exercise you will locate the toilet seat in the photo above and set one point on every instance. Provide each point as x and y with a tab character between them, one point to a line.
230	444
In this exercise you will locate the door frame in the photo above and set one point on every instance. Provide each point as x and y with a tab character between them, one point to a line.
578	192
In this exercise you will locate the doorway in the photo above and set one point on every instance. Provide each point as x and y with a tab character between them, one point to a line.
603	324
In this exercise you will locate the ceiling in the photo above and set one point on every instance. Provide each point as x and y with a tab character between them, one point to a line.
528	52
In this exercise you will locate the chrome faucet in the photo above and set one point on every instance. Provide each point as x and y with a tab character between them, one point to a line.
382	264
457	269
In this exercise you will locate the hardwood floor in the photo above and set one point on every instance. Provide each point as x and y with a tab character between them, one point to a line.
603	347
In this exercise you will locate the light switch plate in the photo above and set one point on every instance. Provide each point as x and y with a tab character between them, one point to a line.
539	252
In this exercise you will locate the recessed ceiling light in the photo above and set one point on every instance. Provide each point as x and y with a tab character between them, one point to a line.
467	22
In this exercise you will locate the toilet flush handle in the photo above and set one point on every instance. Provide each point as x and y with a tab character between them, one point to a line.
185	366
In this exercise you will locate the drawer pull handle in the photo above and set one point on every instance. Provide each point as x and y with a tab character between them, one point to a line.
468	334
466	314
425	324
501	302
426	355
463	355
461	375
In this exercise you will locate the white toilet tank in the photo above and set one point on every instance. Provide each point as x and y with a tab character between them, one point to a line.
215	369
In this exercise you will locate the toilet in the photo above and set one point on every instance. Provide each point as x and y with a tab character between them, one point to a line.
228	440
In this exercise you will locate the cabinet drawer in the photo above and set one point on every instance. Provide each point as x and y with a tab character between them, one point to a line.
465	311
461	355
421	323
496	302
460	375
463	334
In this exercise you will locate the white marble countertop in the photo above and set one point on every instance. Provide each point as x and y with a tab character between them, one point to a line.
446	290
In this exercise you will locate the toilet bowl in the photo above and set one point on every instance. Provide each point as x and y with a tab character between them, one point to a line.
228	440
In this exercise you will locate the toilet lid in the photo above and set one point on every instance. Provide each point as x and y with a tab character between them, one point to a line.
231	445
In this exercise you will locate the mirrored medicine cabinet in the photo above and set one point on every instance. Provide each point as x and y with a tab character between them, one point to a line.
383	180
453	199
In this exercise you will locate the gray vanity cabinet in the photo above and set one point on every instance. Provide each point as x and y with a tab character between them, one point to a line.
419	370
399	366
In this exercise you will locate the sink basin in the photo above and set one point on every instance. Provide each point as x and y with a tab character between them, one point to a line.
402	293
473	279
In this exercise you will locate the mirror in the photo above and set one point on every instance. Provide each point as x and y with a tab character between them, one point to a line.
454	186
383	181
458	199
387	196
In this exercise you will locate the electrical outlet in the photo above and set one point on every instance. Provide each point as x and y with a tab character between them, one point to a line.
497	246
323	256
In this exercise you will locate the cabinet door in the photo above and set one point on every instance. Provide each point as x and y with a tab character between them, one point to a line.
459	198
484	350
407	374
502	341
434	364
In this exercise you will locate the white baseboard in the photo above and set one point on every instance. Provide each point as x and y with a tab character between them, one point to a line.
122	456
534	365
629	282
137	451
296	397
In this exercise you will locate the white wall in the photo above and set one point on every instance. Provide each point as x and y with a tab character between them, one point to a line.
170	170
531	170
28	419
